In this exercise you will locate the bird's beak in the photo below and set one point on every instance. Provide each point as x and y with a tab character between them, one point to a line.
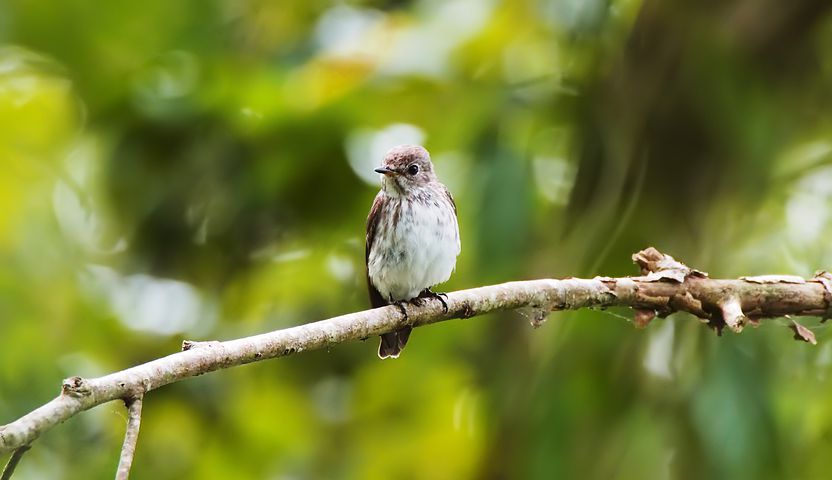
385	171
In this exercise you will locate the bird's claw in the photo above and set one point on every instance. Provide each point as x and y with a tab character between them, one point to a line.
442	297
402	309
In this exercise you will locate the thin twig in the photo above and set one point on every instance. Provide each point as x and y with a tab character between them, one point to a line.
131	436
8	470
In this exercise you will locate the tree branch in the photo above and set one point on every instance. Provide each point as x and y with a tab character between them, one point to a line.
666	286
131	436
8	470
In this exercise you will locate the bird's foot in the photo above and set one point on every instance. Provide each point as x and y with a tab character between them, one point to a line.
442	297
402	309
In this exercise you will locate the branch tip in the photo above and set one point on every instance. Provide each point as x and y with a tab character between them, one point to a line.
732	314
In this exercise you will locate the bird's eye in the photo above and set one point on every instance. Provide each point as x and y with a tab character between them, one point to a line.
413	169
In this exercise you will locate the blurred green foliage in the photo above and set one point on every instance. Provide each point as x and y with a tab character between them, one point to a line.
203	169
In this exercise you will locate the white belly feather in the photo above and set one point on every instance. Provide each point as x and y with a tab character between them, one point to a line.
417	253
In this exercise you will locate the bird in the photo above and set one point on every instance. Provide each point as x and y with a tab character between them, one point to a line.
412	238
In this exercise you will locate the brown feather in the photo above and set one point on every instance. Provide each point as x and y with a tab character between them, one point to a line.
450	198
376	300
390	346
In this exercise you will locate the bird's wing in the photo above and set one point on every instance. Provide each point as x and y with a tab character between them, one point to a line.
453	204
450	197
376	300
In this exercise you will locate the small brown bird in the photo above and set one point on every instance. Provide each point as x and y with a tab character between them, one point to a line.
412	236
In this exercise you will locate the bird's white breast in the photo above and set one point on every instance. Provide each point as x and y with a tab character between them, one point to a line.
416	252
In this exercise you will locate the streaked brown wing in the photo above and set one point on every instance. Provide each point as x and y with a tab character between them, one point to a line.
450	197
376	300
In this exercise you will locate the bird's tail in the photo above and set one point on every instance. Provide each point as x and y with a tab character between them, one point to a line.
393	343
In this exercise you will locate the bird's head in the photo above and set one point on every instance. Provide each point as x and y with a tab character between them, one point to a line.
405	169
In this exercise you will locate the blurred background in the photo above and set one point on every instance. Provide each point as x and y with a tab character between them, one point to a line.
202	169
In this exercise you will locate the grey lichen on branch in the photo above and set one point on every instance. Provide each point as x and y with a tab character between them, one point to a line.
665	286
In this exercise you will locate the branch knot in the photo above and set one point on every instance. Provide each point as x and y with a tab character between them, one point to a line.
76	387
